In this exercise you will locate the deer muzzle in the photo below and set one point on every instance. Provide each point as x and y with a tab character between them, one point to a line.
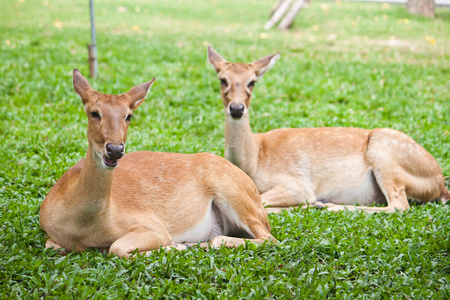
236	110
113	154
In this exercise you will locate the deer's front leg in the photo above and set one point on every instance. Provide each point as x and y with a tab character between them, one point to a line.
142	239
283	196
51	244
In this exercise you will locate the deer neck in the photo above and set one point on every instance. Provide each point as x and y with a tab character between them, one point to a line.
241	146
92	190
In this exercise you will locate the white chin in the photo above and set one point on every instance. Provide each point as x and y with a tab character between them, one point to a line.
108	167
100	157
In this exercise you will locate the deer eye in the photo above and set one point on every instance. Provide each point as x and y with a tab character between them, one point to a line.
251	84
128	118
223	82
95	115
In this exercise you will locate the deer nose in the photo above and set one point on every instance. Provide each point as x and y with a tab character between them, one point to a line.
115	151
236	110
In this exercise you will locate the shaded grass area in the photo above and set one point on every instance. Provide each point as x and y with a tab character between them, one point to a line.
349	64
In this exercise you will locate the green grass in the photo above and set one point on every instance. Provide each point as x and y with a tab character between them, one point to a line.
337	69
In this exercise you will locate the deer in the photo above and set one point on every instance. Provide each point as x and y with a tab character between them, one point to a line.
142	201
334	168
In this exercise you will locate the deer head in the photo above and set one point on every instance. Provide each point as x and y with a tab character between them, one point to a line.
108	118
237	80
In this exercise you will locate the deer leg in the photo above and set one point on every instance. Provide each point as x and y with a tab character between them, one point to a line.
142	239
51	244
261	234
278	210
219	241
395	197
179	247
282	196
393	190
216	242
232	242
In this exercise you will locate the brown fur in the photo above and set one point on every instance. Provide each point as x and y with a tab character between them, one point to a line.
149	198
333	167
445	195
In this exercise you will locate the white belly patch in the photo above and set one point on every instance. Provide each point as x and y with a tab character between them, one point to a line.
203	231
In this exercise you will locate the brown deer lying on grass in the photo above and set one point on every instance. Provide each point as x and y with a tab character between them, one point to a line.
149	199
333	167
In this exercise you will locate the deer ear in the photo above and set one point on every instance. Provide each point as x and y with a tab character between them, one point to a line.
137	94
81	85
262	65
214	58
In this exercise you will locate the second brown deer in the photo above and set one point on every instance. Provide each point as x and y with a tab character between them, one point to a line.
333	167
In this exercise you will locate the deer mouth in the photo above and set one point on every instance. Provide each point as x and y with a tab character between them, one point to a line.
110	162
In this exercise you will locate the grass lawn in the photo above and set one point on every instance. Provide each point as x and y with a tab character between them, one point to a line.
342	64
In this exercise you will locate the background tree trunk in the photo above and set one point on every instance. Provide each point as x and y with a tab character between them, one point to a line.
421	7
290	16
